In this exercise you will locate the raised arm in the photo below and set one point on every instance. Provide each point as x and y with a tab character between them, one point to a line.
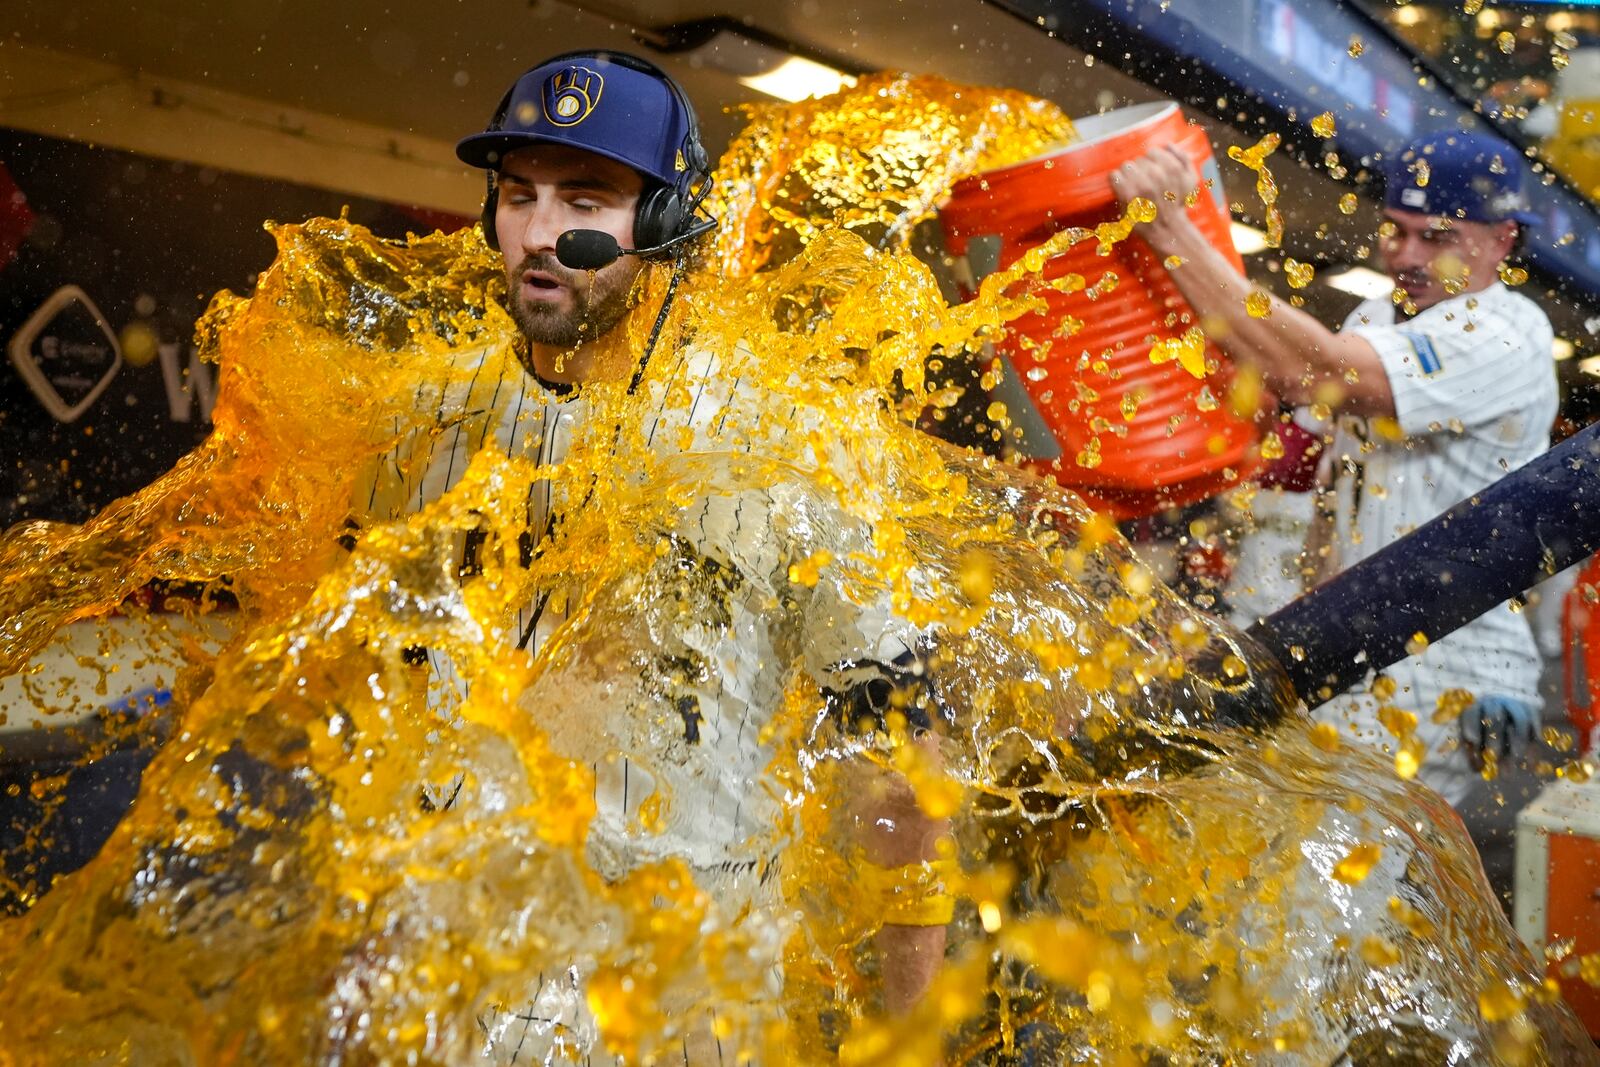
1300	359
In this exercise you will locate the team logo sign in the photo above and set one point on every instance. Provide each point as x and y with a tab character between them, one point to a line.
66	353
571	95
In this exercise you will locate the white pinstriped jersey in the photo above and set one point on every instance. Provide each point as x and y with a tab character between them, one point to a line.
713	765
1475	396
504	407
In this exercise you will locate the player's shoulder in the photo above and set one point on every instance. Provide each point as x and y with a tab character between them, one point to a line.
1518	317
1369	314
1499	294
1494	320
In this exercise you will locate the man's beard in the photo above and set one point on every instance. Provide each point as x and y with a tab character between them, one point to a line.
600	300
1420	289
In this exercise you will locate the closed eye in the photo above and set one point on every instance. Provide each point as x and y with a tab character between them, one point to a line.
514	192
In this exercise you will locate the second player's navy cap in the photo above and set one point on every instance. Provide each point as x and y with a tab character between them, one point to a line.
593	103
1461	176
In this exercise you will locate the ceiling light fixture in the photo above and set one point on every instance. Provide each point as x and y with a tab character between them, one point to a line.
758	59
1248	240
1562	350
1590	366
763	61
798	78
1364	282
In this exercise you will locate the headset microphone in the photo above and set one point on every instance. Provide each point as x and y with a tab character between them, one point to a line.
594	249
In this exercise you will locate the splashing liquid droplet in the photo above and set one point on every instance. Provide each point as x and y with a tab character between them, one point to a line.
1255	158
1512	275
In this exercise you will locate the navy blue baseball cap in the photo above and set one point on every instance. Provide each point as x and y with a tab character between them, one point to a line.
1459	175
592	102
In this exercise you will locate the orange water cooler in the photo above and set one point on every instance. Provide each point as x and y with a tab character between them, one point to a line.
1178	443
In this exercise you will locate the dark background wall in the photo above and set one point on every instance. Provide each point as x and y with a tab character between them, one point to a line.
147	241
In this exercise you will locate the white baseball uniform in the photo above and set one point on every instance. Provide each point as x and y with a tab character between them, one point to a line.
1475	396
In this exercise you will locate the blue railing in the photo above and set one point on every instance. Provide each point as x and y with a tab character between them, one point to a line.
1287	60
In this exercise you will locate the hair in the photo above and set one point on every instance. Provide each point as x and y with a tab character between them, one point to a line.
1519	243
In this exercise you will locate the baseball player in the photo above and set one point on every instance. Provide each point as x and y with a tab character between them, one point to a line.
595	165
1433	396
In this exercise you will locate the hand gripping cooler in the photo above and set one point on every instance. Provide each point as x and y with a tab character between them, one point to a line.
1181	444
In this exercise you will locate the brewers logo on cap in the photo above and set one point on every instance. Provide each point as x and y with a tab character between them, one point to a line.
570	95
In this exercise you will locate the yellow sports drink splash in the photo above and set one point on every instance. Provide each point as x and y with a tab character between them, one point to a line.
1066	817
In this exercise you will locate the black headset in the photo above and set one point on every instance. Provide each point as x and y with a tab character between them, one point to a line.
665	212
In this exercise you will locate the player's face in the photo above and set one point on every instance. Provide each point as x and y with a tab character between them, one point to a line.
1434	258
546	190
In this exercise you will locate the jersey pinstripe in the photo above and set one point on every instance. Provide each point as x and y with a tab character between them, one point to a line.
710	763
1475	396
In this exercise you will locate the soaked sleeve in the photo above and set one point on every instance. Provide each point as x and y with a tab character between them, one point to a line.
868	661
1472	367
414	472
858	650
855	647
456	415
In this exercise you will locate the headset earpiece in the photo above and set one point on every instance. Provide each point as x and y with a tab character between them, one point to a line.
659	217
491	203
491	195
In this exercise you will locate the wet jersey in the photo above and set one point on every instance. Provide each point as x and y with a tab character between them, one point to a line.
1475	396
713	752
